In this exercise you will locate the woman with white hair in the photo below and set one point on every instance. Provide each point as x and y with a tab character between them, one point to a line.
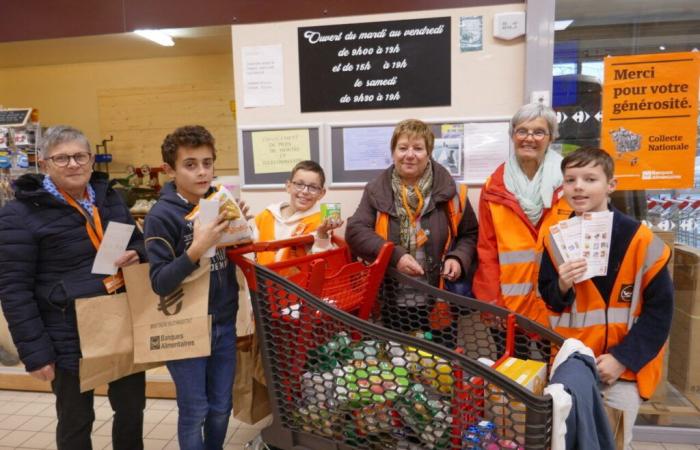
517	202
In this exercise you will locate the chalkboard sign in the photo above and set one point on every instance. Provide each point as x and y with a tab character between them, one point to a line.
393	64
14	117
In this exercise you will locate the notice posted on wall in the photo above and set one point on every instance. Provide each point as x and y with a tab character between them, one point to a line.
650	113
366	148
486	146
393	64
279	150
263	77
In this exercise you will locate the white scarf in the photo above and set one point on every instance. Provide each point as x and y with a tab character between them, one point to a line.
536	194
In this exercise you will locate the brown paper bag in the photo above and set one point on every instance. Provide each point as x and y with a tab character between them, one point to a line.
176	326
106	340
250	400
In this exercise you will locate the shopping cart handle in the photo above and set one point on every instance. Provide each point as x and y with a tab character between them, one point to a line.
269	246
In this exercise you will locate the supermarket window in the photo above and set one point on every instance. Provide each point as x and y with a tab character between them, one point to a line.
586	32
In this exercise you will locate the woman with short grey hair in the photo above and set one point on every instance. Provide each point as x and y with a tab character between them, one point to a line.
49	237
519	198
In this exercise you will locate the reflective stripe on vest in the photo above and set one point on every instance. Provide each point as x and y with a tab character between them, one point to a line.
602	325
519	257
589	318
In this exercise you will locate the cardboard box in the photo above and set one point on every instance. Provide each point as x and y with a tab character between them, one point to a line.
507	414
684	358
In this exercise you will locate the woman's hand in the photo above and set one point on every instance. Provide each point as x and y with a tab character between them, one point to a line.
127	258
569	272
409	266
206	236
327	225
609	368
451	269
46	373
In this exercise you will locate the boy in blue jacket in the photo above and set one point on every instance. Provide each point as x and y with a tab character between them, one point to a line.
623	316
203	385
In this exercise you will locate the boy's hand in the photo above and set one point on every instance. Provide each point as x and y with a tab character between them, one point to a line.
245	209
408	265
327	225
609	368
569	272
206	236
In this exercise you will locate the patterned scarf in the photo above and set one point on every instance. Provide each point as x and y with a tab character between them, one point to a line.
86	203
425	187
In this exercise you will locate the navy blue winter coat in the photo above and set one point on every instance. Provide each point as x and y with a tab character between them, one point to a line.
45	261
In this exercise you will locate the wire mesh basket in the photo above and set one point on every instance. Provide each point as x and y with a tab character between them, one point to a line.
338	382
475	328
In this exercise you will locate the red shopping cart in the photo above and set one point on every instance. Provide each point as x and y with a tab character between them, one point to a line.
331	275
337	382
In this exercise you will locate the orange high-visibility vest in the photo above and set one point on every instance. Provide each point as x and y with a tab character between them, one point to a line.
519	256
602	325
455	210
265	222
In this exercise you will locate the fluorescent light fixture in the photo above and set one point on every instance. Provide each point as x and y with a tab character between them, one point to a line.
157	36
562	24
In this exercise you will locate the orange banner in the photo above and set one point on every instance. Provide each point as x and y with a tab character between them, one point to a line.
650	109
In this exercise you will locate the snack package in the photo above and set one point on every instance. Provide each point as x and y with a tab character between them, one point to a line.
330	211
238	231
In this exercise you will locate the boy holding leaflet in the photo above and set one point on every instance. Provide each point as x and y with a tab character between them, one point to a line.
298	216
203	385
623	316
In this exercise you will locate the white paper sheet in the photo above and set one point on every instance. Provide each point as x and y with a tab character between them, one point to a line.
595	242
367	148
263	76
486	146
208	212
113	245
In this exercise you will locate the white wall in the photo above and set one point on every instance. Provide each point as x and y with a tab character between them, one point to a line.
487	83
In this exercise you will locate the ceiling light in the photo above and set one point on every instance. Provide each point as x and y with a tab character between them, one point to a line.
662	47
562	24
157	36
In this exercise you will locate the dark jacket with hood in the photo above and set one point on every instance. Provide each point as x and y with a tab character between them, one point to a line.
167	220
46	258
378	196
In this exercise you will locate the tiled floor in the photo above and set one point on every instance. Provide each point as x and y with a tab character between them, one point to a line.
28	421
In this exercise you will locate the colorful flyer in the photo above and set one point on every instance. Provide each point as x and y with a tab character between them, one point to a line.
595	242
650	111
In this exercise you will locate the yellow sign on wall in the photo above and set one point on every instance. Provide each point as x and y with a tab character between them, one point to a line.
278	151
650	108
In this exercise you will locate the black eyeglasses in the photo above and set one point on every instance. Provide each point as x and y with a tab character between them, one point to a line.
538	135
62	160
312	188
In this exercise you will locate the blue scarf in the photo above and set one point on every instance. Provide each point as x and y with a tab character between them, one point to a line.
86	203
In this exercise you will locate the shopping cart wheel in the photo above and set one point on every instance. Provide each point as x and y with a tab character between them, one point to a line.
258	444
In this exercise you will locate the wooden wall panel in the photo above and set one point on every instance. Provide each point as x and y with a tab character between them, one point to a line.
139	119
